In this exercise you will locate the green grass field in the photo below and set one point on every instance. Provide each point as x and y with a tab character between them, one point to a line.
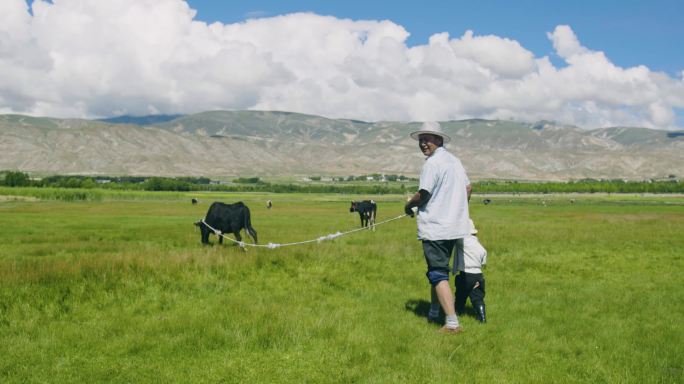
121	290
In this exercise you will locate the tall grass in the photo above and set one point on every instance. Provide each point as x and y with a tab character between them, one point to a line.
122	291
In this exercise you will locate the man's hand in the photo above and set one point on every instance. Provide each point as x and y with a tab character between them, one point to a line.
418	200
411	202
408	209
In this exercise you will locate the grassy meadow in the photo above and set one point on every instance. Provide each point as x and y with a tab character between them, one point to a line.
118	288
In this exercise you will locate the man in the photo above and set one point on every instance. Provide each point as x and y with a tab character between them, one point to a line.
443	219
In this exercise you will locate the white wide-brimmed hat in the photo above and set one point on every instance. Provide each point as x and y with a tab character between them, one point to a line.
473	230
432	128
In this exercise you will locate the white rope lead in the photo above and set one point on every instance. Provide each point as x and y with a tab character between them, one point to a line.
331	236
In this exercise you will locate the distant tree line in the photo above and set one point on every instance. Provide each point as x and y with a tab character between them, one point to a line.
136	183
581	186
246	180
378	176
364	178
16	179
255	184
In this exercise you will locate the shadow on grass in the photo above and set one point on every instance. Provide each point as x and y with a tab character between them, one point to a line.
470	312
420	308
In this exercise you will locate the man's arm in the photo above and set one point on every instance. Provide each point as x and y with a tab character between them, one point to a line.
469	190
418	200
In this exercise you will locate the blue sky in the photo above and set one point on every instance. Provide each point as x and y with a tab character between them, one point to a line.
588	64
630	32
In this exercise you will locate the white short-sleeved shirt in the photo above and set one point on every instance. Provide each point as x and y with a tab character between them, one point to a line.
445	216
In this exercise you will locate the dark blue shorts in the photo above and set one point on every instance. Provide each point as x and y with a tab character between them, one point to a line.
437	256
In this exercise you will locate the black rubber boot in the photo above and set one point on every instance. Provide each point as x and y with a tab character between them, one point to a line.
460	295
460	307
480	310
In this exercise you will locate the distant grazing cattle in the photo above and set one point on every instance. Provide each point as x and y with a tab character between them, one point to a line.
367	210
194	201
227	218
486	201
269	204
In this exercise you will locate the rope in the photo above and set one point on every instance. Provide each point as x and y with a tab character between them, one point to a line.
331	236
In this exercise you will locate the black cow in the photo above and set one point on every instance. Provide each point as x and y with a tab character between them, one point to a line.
486	201
227	218
194	201
367	210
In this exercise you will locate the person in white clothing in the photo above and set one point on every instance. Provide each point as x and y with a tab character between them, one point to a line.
443	219
470	280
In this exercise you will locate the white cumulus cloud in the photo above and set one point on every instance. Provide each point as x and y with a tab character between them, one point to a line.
92	58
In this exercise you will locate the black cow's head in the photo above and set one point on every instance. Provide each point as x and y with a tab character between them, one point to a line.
205	231
353	206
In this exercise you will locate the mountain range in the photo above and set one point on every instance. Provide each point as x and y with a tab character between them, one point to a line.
222	144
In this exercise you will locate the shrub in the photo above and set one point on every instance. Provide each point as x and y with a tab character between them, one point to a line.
16	179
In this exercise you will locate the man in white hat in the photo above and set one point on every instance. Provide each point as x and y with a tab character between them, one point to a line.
443	219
